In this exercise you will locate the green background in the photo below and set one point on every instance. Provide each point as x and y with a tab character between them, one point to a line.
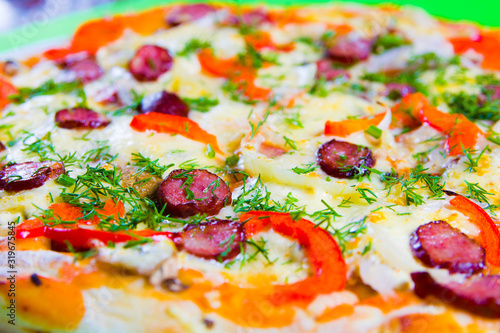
43	27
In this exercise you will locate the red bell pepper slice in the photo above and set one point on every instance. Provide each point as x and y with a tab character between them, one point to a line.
242	76
323	252
487	44
461	132
489	236
94	34
261	40
407	111
165	123
6	89
80	237
345	128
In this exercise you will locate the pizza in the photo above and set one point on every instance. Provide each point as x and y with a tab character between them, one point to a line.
215	168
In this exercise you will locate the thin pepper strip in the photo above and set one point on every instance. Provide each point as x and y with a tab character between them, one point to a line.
80	238
242	76
345	128
415	109
261	40
323	253
407	112
6	89
487	45
94	34
165	123
404	114
461	132
489	236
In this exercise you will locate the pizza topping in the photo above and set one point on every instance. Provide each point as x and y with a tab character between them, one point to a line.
461	132
437	244
26	176
2	147
80	118
164	102
85	68
165	123
254	17
323	252
396	91
344	160
489	237
407	112
349	48
174	285
218	239
479	294
150	62
187	193
35	280
6	89
242	76
485	44
327	70
345	128
188	13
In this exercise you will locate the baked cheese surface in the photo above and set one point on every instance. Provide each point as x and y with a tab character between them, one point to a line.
223	169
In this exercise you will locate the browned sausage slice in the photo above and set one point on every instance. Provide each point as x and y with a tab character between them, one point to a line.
86	70
79	118
164	102
149	62
186	193
342	159
254	17
438	244
218	239
349	49
479	294
327	70
188	13
26	176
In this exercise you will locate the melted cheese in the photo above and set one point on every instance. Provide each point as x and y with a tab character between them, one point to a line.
381	256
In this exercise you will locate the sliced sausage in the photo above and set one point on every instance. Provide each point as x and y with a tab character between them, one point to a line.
149	62
256	16
218	239
108	95
164	102
349	48
26	176
342	159
186	193
86	70
79	118
438	244
479	294
188	13
327	70
396	91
